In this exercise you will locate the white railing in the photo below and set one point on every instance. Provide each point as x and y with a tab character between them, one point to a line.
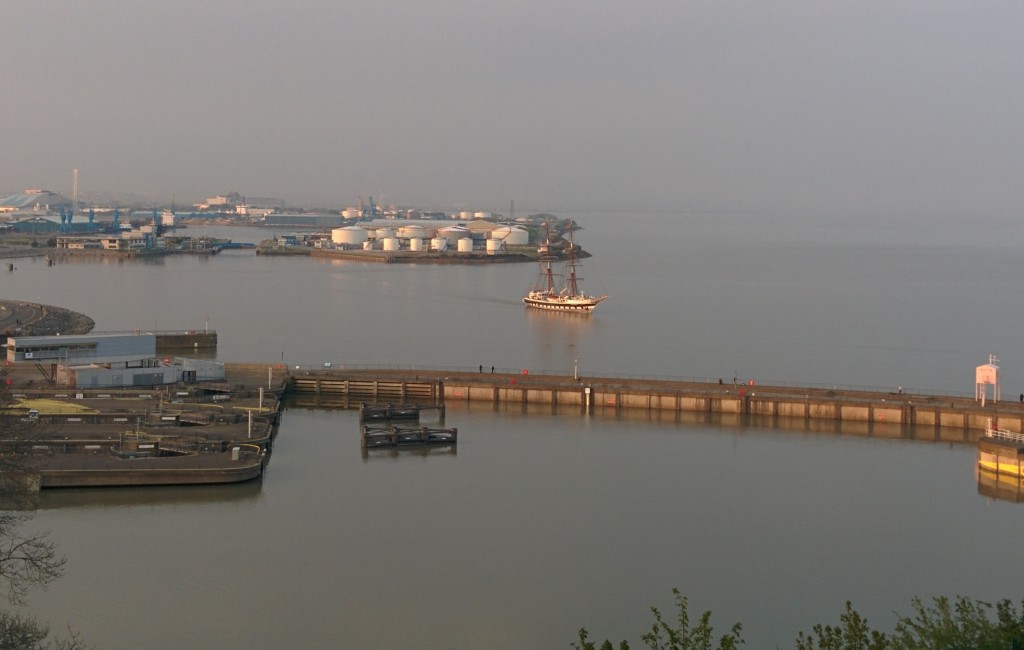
992	432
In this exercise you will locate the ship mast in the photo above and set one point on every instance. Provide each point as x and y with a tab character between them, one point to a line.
573	291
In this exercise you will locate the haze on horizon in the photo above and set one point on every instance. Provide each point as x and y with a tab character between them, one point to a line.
797	107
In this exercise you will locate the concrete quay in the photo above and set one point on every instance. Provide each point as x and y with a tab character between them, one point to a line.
185	434
930	416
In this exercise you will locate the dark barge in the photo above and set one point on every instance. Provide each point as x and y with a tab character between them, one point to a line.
395	436
107	466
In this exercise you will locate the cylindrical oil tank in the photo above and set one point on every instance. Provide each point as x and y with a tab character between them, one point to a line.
438	244
390	243
511	235
415	244
349	235
350	213
367	245
465	245
465	215
384	233
412	231
493	246
481	215
453	234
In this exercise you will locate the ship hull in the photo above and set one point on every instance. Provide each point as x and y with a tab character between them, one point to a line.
556	303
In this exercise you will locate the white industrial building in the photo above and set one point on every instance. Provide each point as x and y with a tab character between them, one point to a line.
108	360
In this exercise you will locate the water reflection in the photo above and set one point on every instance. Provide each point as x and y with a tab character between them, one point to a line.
1000	486
1000	463
114	497
111	260
729	422
399	453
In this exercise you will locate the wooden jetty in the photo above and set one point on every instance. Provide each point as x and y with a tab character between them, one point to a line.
395	436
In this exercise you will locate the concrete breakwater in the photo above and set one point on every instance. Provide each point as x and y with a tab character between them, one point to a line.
184	340
933	416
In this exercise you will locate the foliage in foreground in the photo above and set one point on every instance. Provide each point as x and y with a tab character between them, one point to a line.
27	560
25	633
664	636
962	623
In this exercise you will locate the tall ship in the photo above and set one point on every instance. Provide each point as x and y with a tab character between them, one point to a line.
560	290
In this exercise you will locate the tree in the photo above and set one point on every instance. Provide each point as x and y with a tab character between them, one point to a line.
25	633
681	637
27	560
852	633
17	433
960	624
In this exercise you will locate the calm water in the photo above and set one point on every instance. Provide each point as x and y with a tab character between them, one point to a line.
542	523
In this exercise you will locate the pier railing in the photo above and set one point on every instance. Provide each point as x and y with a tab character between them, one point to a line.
1001	434
465	372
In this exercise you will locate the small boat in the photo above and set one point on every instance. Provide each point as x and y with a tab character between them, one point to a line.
561	291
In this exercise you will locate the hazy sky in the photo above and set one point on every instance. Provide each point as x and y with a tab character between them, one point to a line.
803	107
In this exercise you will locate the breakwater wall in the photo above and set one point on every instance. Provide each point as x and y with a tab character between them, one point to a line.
960	417
183	340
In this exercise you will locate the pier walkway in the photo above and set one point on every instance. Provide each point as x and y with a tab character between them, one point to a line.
957	418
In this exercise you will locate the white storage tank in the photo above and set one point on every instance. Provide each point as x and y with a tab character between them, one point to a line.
412	231
453	234
511	235
350	213
415	244
494	246
465	215
465	245
349	235
384	233
367	245
390	244
482	215
438	244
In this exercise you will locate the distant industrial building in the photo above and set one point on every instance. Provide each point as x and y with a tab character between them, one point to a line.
120	242
48	224
304	220
33	201
231	201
